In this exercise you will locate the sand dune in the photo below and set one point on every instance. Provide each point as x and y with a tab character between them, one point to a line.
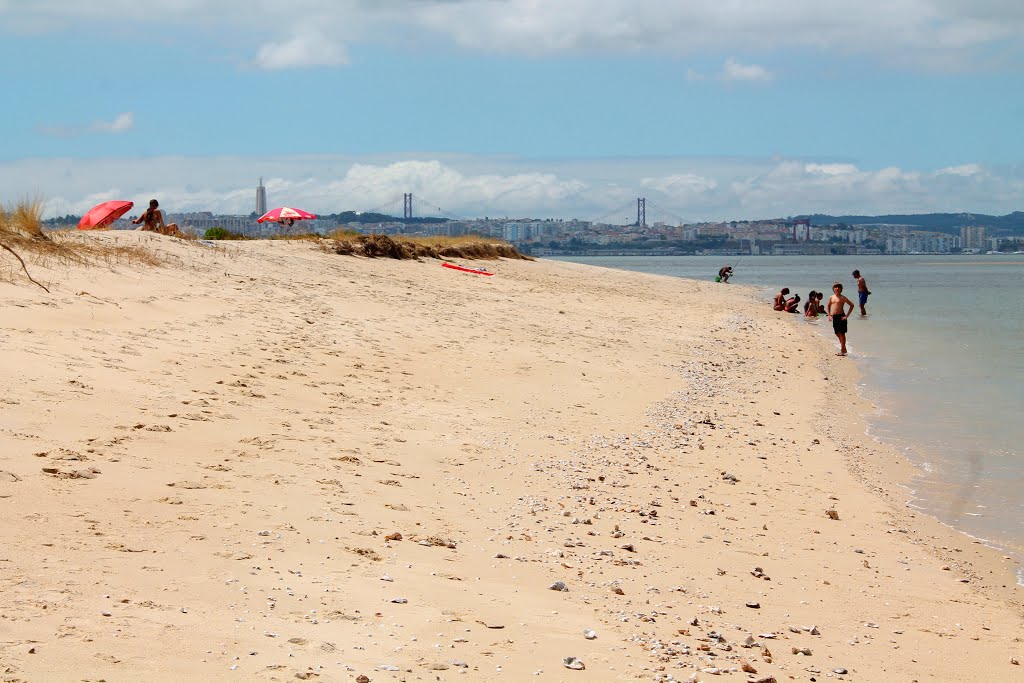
263	462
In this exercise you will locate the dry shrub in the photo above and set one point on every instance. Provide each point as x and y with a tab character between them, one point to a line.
342	234
310	236
465	246
24	218
483	250
64	249
21	226
381	245
343	247
401	247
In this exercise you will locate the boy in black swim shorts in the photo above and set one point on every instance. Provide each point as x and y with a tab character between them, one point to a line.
839	315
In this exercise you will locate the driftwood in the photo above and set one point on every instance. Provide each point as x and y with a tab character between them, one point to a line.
24	267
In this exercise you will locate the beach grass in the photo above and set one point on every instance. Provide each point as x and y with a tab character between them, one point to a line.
26	245
24	218
300	236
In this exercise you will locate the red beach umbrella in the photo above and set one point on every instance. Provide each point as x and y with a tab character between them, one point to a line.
284	214
102	215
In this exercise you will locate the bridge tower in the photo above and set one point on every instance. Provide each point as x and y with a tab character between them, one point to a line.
641	212
407	205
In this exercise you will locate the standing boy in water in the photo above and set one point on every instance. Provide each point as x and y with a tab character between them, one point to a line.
838	314
862	291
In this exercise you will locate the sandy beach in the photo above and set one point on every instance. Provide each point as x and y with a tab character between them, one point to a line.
258	461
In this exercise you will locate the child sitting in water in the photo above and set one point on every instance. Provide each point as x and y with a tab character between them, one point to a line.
793	304
779	302
813	307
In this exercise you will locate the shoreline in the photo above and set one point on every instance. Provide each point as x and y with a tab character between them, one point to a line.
939	498
887	467
906	476
917	503
326	466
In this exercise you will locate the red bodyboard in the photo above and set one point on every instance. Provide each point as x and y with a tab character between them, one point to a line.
466	270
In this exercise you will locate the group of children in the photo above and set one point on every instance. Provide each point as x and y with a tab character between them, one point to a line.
836	310
791	304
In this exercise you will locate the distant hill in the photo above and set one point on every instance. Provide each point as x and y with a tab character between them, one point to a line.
354	217
935	222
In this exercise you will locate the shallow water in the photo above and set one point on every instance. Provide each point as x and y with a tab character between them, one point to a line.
940	352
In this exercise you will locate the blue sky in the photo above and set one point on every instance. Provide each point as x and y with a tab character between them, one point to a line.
710	109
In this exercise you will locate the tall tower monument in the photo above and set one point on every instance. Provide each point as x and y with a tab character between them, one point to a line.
261	199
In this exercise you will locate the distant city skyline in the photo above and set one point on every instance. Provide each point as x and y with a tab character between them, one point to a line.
710	110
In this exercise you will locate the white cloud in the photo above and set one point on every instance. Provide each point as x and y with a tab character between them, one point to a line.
933	33
830	169
301	51
964	170
752	73
467	186
121	123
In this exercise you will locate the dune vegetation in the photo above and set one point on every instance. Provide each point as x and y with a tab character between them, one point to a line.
24	242
416	247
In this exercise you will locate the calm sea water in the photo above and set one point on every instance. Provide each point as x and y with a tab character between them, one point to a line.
941	354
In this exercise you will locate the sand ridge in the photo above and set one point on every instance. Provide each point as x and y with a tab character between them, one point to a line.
265	462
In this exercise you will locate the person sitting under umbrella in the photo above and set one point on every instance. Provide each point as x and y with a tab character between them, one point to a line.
153	220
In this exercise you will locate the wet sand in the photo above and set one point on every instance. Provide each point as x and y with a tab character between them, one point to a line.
260	461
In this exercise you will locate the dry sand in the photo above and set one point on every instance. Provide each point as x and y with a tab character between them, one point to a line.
262	462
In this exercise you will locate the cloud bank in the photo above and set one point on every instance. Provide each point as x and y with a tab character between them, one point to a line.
691	189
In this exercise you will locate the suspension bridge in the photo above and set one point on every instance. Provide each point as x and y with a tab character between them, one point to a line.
417	206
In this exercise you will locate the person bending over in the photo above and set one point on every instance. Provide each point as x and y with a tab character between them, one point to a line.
839	315
793	304
724	273
779	303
